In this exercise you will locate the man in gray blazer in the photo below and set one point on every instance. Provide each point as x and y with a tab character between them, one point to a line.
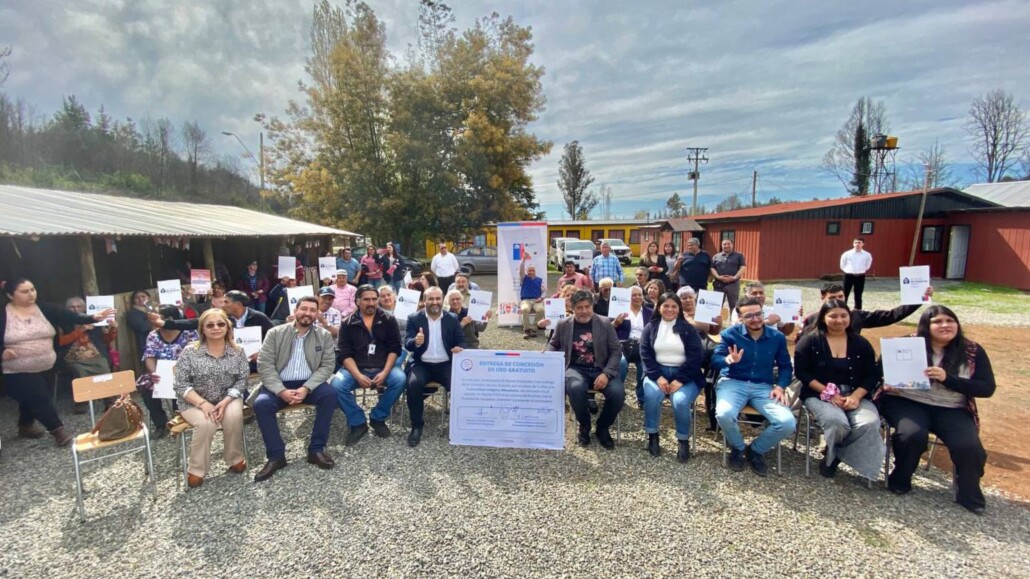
592	355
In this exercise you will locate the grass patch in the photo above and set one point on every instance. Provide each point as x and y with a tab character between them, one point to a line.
874	538
996	299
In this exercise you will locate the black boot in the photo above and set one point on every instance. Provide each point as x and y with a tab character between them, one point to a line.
683	453
652	444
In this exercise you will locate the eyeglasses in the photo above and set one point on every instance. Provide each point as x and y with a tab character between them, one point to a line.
756	315
216	325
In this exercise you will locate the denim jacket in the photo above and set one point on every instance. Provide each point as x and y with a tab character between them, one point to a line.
756	365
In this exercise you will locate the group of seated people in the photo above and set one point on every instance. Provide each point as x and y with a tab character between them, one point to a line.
321	361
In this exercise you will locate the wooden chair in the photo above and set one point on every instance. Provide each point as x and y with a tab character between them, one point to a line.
179	428
93	388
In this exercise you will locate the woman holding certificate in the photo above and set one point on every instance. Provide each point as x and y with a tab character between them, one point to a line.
210	378
838	375
959	372
629	327
671	352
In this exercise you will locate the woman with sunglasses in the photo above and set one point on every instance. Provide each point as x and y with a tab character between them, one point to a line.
210	378
959	373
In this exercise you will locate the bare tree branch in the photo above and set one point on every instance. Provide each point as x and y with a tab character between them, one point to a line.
1000	134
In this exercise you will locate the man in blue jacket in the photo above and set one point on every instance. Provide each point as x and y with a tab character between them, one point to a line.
748	354
433	337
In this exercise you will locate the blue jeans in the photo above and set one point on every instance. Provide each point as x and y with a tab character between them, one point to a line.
624	371
396	283
344	384
682	404
376	282
576	387
267	404
733	395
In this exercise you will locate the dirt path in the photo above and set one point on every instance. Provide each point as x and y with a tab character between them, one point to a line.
1005	416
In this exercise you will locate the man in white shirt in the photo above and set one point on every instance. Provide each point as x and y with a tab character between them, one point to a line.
445	266
433	336
854	263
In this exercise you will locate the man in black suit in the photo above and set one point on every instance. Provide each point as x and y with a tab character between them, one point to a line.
433	337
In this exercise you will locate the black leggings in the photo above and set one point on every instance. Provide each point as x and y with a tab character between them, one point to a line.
913	422
30	391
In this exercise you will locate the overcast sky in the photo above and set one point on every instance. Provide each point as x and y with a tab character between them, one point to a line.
765	85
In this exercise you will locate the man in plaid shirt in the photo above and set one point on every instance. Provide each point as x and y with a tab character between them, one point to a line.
606	265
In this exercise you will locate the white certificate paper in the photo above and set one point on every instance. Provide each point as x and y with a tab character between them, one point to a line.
479	304
97	304
787	305
904	363
295	293
914	281
619	302
554	310
287	267
200	281
165	387
709	306
327	268
407	304
249	339
169	292
508	399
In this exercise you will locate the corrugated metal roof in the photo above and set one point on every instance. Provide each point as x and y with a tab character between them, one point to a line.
795	206
1008	194
28	211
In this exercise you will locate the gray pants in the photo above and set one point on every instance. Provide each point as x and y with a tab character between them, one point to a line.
732	291
853	436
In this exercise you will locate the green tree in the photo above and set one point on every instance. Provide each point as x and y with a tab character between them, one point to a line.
863	162
676	206
840	160
574	180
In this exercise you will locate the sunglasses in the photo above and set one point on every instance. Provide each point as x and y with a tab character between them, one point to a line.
216	325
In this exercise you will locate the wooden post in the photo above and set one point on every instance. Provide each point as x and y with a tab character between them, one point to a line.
919	218
87	267
209	257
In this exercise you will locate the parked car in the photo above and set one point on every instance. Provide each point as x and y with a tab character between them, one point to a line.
478	259
555	252
621	250
581	252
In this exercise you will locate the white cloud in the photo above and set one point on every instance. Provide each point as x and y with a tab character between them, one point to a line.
764	85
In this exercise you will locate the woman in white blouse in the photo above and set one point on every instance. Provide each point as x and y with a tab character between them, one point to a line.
671	353
629	327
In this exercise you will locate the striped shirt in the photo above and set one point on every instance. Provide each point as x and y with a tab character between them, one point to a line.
297	368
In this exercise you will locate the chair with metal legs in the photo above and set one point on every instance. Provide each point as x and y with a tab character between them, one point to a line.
618	417
179	428
90	389
809	422
744	417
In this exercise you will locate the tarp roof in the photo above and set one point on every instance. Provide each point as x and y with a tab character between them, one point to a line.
26	211
1007	194
680	224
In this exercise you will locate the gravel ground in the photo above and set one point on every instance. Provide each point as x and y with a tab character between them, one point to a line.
388	510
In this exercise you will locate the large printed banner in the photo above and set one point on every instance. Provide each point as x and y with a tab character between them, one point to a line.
514	240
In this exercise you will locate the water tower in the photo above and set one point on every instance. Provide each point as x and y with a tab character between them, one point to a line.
884	149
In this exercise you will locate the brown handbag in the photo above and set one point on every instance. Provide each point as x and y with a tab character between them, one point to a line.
122	419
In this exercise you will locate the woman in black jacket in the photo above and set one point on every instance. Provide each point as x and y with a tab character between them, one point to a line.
671	352
959	372
838	374
27	331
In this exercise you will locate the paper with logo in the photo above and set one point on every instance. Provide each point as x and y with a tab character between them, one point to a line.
327	268
200	281
518	243
914	282
479	304
295	293
287	267
249	339
554	310
97	304
619	301
165	387
169	292
787	305
709	306
904	363
407	304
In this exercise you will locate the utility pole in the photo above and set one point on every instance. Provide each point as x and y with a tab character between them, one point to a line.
754	185
697	156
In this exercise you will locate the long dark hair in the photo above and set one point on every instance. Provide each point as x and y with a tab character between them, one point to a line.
657	314
825	309
955	351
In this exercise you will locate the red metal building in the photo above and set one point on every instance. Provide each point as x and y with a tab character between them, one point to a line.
961	237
